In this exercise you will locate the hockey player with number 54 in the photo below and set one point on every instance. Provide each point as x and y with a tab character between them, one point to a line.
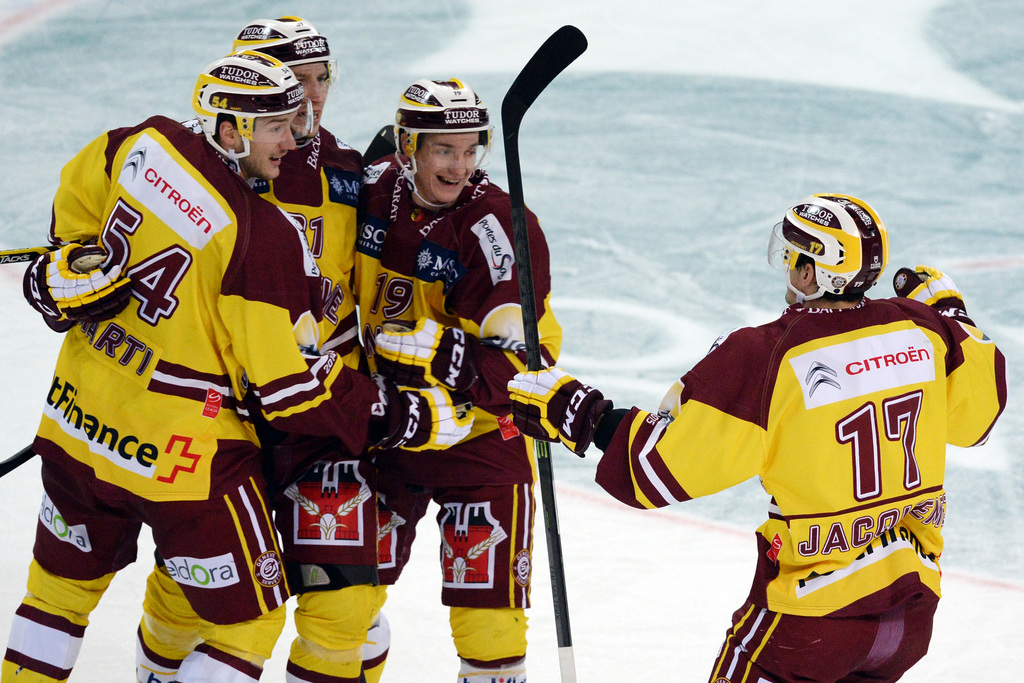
149	418
322	494
843	407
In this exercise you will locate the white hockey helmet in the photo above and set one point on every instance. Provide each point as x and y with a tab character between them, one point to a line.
440	107
292	40
245	85
842	235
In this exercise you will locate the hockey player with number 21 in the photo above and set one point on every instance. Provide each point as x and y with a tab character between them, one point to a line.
149	416
438	295
843	407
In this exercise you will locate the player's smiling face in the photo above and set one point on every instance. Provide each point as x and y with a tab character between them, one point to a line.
444	163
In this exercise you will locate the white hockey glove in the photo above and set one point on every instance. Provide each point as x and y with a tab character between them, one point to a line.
552	405
931	287
421	419
68	285
427	354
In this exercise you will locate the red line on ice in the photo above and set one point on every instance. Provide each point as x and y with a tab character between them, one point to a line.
30	15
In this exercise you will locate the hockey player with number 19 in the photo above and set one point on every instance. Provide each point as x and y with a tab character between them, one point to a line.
435	251
843	407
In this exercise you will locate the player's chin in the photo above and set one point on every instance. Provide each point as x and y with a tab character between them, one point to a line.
272	169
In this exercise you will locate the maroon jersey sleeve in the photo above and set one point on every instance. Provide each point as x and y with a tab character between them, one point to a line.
300	391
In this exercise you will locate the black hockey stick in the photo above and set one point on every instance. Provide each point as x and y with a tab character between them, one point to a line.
22	255
16	460
557	52
382	145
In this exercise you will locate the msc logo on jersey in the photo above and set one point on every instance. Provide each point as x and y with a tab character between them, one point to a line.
342	186
437	264
864	366
329	506
469	536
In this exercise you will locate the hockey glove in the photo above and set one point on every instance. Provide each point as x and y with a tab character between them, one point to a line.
68	285
427	354
421	419
551	405
929	286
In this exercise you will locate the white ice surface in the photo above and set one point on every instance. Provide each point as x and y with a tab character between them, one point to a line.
650	593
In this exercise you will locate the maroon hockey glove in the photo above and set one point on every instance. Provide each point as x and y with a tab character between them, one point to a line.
418	419
427	354
931	287
67	285
551	405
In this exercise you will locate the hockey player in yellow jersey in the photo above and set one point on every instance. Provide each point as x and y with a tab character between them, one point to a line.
434	254
843	407
314	482
150	415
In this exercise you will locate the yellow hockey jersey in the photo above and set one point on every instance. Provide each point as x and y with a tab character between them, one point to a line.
845	416
457	267
225	292
319	188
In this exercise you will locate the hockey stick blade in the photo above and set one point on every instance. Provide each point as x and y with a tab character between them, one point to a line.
382	145
16	460
559	51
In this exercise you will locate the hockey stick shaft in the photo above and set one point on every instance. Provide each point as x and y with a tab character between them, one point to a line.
16	460
22	255
557	52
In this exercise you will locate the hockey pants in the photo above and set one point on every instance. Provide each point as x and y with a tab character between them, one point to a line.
332	629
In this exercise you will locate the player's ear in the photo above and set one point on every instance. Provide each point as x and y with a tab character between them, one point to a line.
805	274
228	135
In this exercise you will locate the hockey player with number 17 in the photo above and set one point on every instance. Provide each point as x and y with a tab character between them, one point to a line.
843	407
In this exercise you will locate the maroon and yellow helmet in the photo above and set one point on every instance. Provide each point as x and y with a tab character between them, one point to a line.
842	235
291	40
440	107
246	85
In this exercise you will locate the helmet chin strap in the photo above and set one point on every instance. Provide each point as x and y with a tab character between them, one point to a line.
231	154
800	296
428	205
